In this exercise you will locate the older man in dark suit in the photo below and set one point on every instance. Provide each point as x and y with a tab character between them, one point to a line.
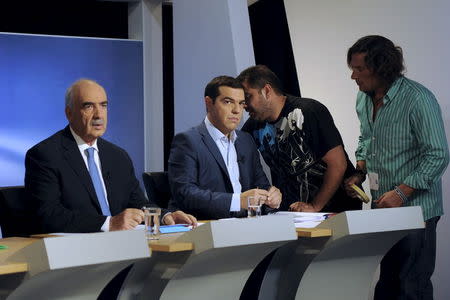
79	182
213	167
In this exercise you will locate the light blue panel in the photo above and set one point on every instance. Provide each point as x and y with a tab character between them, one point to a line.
207	43
34	75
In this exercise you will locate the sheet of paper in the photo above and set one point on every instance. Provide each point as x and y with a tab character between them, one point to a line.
304	216
308	224
301	214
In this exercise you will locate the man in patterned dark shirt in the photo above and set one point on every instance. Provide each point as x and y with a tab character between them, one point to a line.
299	142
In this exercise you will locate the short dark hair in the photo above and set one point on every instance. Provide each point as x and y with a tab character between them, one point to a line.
212	88
382	57
260	75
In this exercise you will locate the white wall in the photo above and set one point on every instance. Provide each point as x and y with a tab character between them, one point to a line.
145	23
210	38
321	33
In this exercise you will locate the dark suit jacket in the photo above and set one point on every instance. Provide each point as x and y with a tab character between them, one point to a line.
60	188
198	176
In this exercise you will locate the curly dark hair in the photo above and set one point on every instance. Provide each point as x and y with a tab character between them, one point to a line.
382	57
212	88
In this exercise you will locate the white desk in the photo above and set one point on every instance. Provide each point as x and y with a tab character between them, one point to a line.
341	266
225	253
70	267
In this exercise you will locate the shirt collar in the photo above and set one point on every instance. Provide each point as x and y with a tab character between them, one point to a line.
393	90
82	145
216	134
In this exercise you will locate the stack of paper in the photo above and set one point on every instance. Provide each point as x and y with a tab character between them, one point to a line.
306	219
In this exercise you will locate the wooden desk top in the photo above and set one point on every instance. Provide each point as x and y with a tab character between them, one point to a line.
313	232
14	244
166	243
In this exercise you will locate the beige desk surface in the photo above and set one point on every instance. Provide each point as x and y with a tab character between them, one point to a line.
14	244
166	243
313	232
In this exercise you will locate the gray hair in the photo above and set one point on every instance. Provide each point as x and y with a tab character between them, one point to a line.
70	90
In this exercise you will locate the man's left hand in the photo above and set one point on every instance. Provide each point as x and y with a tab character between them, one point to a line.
304	207
179	217
389	199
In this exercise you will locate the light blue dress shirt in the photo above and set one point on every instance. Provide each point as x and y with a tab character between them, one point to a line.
229	155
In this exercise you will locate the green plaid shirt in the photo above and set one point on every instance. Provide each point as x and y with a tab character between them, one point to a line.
406	143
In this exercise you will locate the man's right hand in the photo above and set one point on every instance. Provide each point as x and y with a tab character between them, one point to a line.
355	179
128	219
253	192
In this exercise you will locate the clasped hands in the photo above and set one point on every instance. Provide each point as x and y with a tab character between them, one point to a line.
271	198
131	217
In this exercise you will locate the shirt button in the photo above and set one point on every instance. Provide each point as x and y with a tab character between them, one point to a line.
373	138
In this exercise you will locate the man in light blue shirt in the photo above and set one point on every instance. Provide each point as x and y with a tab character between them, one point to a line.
213	167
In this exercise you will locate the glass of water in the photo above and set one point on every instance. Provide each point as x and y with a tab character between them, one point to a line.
254	206
151	220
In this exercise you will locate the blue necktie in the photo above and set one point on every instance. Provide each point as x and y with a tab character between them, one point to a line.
95	176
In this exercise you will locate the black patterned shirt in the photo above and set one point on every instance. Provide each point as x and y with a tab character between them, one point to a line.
293	147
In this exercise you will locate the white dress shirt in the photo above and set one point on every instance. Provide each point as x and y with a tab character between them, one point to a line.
229	155
83	146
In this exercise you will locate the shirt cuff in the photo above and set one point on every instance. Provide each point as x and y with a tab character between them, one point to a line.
235	202
105	226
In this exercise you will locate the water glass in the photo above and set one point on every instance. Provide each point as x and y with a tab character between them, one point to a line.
254	206
151	220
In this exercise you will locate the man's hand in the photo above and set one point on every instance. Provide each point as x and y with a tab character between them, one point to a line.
302	206
389	199
255	193
128	219
179	217
274	198
354	179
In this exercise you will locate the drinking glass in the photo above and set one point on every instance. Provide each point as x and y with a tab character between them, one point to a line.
254	206
151	220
